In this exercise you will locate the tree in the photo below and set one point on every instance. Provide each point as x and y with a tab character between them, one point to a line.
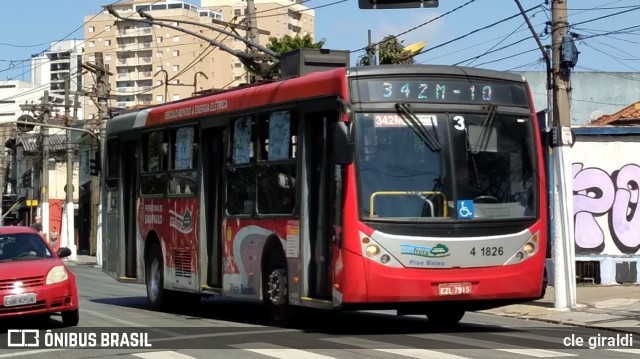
289	43
391	52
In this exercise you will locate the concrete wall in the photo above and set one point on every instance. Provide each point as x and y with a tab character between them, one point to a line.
606	184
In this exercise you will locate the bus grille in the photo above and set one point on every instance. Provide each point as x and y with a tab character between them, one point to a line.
182	264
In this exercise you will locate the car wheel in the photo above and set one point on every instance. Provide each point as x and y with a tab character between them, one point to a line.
276	289
154	266
71	318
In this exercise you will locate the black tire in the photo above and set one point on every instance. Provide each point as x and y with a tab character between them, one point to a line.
71	318
445	317
276	288
157	296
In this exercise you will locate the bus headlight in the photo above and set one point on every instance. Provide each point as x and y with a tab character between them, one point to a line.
529	248
372	250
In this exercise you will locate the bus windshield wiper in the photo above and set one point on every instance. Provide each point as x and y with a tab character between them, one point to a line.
485	132
409	117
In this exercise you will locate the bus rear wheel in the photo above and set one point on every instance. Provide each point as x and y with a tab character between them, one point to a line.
154	266
445	317
276	289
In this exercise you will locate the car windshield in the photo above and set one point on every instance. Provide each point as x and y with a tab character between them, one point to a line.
445	166
23	246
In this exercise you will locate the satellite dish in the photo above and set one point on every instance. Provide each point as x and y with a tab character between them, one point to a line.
23	127
416	47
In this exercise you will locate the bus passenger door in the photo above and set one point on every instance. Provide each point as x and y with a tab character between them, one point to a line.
213	167
317	211
129	197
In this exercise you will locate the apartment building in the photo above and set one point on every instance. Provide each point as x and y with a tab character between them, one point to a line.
153	64
51	68
275	18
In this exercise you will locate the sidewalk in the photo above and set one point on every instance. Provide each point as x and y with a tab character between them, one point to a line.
606	307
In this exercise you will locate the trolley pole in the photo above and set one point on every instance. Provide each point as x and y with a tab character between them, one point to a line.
563	241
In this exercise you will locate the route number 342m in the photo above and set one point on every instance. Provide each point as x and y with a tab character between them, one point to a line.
487	251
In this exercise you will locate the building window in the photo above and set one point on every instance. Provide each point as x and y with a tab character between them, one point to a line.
107	42
237	65
176	82
176	39
159	83
176	68
107	57
159	67
176	52
158	54
107	28
237	12
160	98
159	40
176	97
92	43
92	29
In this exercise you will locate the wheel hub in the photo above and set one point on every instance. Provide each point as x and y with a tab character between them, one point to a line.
277	287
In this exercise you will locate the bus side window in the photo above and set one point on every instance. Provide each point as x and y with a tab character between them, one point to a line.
277	163
155	158
241	169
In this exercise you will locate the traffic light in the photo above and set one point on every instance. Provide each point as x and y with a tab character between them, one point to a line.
95	165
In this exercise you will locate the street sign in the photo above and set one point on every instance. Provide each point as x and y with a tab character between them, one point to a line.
32	203
396	4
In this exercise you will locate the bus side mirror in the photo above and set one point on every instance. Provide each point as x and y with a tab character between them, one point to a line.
342	146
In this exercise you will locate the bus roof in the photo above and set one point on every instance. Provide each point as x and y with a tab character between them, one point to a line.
318	84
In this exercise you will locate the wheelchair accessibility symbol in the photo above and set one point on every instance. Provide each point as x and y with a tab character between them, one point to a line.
465	209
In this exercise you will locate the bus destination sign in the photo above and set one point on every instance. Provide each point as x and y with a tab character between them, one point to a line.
457	90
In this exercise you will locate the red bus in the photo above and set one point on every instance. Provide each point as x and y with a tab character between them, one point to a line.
410	187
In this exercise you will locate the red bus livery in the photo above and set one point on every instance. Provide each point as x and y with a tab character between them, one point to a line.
410	187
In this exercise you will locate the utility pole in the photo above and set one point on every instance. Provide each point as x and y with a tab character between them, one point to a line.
252	30
68	226
563	244
44	186
102	101
369	50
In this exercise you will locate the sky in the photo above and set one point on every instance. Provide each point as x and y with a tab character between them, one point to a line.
453	31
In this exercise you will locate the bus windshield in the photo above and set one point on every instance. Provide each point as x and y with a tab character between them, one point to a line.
481	166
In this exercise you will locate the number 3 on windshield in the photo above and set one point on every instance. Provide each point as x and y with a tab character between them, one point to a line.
459	120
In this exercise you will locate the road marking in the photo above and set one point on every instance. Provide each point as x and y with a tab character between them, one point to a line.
28	352
276	351
485	344
629	350
393	348
538	353
163	354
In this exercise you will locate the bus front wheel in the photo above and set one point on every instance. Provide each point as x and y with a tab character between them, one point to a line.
154	265
276	289
445	317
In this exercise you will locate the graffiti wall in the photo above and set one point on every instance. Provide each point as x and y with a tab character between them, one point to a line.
606	188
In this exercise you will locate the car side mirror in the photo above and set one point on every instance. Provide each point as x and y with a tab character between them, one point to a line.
64	252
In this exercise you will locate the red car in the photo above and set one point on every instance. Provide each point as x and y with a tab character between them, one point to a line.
33	278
